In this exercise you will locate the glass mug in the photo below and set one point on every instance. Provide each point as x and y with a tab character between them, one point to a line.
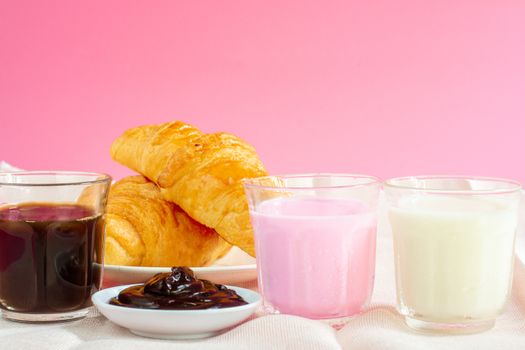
315	242
453	248
51	243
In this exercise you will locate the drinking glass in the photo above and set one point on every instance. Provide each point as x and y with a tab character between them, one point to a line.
315	242
453	248
51	243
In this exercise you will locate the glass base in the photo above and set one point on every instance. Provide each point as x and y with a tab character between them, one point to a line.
48	317
449	328
336	323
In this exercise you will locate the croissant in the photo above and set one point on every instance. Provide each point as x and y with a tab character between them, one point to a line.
199	172
142	229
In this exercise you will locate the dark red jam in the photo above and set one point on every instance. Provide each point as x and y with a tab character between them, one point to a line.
178	290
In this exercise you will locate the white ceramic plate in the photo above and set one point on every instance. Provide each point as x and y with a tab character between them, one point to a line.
175	324
235	267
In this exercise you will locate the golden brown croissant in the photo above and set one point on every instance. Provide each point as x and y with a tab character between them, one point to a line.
142	229
200	172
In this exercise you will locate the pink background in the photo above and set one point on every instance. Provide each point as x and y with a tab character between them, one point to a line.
380	87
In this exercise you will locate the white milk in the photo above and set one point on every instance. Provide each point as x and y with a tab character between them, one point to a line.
453	256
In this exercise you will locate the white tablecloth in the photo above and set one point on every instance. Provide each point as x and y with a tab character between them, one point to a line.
379	327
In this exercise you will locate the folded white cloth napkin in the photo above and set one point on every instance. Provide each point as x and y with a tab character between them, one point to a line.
96	333
5	166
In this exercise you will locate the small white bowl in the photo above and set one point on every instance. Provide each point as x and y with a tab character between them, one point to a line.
175	324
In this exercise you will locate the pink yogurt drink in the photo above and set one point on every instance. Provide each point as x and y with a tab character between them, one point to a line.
316	256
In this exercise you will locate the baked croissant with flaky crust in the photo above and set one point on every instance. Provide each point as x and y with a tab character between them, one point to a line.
199	172
142	229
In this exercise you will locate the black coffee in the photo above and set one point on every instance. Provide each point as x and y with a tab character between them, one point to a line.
50	257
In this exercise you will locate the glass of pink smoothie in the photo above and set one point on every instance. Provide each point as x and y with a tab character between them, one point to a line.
315	242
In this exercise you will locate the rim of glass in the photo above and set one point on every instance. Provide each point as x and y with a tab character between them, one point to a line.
98	178
514	185
251	182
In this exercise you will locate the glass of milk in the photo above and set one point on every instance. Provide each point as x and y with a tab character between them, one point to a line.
453	249
315	243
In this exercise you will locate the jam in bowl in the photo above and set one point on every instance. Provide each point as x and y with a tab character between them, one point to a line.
178	290
176	305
